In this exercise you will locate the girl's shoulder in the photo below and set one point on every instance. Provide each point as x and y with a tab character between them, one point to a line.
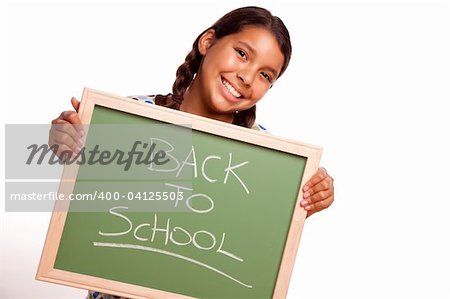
150	99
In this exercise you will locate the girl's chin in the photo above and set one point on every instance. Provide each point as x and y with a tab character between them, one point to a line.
223	105
224	110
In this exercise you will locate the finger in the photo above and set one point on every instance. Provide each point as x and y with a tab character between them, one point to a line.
66	127
320	196
62	127
75	103
73	118
320	175
65	153
319	206
65	140
62	151
62	138
325	184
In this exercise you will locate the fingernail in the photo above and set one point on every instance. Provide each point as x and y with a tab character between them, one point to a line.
80	143
306	188
306	195
308	208
304	203
77	150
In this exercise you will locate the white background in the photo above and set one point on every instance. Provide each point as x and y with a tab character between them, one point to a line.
368	81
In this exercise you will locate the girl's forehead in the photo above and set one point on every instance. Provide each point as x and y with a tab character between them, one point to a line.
256	35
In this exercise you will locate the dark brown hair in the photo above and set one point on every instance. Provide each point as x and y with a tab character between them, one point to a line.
232	22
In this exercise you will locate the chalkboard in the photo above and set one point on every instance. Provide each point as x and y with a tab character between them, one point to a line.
233	234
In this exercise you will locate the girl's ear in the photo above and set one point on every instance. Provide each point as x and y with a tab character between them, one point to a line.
206	40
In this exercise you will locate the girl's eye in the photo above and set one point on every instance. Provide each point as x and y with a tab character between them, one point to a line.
266	76
241	53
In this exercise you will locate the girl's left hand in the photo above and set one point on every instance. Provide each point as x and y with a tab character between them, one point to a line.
318	192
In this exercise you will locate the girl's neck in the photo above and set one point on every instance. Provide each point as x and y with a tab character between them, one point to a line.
192	104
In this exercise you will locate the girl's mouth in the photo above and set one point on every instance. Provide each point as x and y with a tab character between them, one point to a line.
231	89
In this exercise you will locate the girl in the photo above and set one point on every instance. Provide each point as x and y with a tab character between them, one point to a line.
231	66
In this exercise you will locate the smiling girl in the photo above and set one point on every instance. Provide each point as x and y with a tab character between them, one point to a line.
230	68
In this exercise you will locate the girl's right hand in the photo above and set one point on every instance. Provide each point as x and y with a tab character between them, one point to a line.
66	133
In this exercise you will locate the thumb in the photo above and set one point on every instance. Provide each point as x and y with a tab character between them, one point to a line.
75	103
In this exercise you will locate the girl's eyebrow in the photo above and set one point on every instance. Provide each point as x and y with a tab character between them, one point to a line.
253	51
249	48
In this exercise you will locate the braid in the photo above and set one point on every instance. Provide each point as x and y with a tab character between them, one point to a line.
186	71
167	101
184	76
245	118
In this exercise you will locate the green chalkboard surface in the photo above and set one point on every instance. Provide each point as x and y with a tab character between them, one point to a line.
224	239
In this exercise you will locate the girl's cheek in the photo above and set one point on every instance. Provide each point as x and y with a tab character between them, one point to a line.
230	62
262	89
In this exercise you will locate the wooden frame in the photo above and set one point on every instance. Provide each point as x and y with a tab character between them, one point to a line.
46	270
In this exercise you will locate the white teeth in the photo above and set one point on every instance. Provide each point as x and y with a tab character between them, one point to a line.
231	89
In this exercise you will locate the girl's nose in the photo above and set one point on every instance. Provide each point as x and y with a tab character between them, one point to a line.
246	76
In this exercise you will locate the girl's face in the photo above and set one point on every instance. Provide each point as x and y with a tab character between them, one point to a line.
237	70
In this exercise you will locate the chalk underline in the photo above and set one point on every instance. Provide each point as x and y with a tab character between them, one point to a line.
182	257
